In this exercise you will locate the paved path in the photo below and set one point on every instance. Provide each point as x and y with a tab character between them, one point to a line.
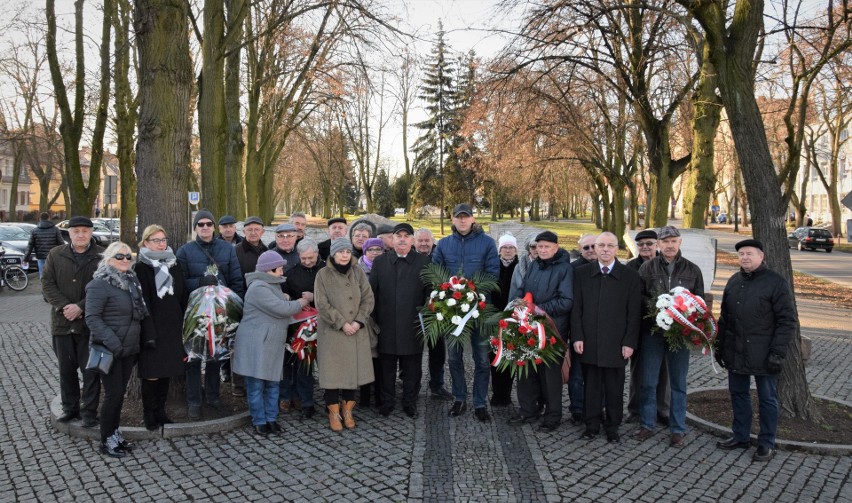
431	458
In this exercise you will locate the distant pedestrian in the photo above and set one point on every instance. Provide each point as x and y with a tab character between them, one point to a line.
44	238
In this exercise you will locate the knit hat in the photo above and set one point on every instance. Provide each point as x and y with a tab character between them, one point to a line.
547	236
270	260
507	240
669	232
80	222
749	242
646	234
200	214
373	242
340	244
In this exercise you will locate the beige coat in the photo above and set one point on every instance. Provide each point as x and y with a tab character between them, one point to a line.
344	362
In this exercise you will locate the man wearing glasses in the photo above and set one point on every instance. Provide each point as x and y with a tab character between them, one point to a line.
286	236
646	241
576	385
201	257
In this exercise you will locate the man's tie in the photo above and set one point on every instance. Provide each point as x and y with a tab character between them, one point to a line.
605	270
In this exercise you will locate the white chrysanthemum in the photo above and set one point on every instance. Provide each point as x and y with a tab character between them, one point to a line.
664	321
451	302
471	296
439	316
456	320
442	295
475	314
678	290
664	301
465	308
433	294
458	286
482	297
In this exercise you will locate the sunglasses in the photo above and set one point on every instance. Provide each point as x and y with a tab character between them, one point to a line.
159	241
589	247
205	224
646	243
123	256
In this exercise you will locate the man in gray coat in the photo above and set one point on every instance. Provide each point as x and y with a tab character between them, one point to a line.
400	293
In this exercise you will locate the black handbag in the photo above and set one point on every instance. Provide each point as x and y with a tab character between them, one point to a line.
100	359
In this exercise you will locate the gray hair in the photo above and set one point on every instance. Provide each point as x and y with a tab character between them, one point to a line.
424	230
361	226
307	245
297	214
112	250
586	236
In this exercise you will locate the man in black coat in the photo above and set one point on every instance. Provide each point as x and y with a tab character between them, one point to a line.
576	386
549	280
424	242
67	271
251	247
605	323
336	229
757	324
400	293
44	238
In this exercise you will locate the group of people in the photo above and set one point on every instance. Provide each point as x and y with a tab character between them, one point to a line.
365	284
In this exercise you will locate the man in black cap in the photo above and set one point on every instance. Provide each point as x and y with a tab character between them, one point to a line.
385	233
336	229
67	271
757	323
468	250
251	247
549	279
286	236
646	242
228	230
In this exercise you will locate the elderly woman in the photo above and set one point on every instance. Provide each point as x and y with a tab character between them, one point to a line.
161	355
373	249
259	346
114	312
360	233
344	300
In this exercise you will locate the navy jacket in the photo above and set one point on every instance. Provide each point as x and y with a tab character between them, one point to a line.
551	283
193	262
468	254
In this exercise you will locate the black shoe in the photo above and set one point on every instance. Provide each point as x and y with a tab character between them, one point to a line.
90	422
308	412
458	409
68	417
193	412
112	452
274	428
126	446
385	411
519	419
548	427
731	444
262	430
442	394
763	453
500	401
631	418
364	402
588	435
482	414
663	420
613	438
216	405
410	411
577	418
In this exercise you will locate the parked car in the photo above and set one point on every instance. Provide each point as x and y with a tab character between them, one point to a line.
21	225
102	234
811	238
111	223
14	237
11	256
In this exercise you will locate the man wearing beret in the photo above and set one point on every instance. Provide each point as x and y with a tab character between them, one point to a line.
660	275
468	250
67	271
228	230
646	242
336	229
757	323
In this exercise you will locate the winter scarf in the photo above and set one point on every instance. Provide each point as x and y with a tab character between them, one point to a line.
366	264
160	261
126	281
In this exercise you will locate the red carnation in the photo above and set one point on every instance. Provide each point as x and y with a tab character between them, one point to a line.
503	324
531	341
510	346
552	340
445	286
457	295
471	285
522	329
538	361
493	341
432	307
521	363
481	305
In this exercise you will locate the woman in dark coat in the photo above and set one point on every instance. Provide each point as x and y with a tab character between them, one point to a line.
114	311
162	353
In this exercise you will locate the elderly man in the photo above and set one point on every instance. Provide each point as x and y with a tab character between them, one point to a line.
297	380
67	270
300	222
501	381
659	275
424	241
586	247
228	230
549	280
468	250
250	249
359	234
605	323
757	324
400	293
336	229
285	244
576	385
646	242
385	233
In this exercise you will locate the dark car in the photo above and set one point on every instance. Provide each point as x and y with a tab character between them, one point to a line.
102	234
21	225
16	240
811	238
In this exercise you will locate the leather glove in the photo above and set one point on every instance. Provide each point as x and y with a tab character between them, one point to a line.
150	344
717	354
774	363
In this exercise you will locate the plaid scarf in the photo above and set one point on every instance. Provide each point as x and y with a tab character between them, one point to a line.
161	261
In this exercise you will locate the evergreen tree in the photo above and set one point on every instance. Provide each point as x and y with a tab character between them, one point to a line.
382	195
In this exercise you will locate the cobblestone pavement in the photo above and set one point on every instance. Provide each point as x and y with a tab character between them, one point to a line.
430	458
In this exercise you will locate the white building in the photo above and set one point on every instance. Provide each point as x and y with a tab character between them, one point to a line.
816	200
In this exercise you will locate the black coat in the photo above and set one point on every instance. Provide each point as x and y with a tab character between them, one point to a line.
758	318
247	255
163	325
504	282
301	279
399	294
324	248
64	281
606	314
551	284
656	280
44	238
111	319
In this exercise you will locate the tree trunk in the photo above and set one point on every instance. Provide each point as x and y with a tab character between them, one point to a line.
126	116
618	221
165	88
212	125
235	182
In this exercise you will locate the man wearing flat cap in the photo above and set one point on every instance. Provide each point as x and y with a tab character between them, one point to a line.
385	233
549	279
660	275
757	323
67	271
286	236
228	230
336	229
468	250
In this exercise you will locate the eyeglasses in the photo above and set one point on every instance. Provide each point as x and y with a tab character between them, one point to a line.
159	241
285	236
123	256
204	224
375	249
644	244
589	247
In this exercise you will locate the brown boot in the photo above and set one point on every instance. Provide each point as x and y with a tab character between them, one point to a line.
334	417
348	419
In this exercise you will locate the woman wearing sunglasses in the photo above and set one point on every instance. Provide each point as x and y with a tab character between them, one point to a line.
114	312
164	291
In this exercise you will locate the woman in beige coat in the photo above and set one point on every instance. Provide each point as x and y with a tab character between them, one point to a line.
344	301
